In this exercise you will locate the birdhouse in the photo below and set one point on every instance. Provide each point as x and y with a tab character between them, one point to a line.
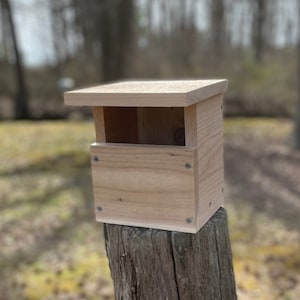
157	161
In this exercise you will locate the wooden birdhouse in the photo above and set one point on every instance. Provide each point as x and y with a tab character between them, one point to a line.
158	157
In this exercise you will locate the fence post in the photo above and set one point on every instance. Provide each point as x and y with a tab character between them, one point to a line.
156	264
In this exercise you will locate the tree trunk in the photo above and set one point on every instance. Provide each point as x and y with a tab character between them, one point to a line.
259	20
297	119
218	29
156	264
55	15
116	30
21	105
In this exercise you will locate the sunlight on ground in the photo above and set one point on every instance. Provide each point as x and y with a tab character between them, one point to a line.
48	233
77	276
52	248
266	256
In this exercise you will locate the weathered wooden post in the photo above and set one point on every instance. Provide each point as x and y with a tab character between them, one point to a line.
157	165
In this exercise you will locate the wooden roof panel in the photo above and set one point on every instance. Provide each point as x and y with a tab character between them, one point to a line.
171	93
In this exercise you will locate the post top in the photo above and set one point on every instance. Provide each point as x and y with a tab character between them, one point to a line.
163	93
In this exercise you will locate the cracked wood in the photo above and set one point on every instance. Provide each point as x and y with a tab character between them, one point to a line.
155	264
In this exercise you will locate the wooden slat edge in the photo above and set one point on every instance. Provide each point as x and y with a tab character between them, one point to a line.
187	229
207	92
120	100
98	115
141	146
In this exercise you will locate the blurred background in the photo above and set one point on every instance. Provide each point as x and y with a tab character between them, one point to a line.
50	246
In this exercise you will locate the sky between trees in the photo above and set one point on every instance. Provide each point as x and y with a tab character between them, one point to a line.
33	24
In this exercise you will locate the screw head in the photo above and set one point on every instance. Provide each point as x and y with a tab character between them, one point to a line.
189	220
187	165
99	208
96	159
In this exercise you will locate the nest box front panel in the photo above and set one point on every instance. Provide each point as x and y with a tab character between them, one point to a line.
148	186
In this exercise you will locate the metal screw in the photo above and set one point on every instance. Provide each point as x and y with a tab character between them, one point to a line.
96	159
209	203
99	208
187	166
189	220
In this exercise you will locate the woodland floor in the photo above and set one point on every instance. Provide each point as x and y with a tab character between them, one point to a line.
51	248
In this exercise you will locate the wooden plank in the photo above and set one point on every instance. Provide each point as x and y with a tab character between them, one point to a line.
144	186
210	166
161	125
190	124
98	115
176	93
121	125
154	264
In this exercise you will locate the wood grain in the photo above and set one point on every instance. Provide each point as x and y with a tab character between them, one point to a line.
190	124
210	166
159	125
175	93
121	125
98	115
154	264
148	186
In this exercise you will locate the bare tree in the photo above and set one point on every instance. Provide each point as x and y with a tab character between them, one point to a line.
116	30
62	29
218	27
86	13
21	100
184	34
258	24
3	44
106	28
56	16
297	121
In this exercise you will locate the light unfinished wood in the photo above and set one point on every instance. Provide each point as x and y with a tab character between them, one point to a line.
142	182
147	186
203	124
98	115
190	124
174	93
209	156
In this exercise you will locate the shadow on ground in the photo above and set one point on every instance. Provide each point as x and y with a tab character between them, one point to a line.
39	221
266	177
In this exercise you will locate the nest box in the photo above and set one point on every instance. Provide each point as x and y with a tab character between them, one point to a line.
158	157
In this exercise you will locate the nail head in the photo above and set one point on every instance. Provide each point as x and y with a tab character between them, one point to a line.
187	165
189	220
